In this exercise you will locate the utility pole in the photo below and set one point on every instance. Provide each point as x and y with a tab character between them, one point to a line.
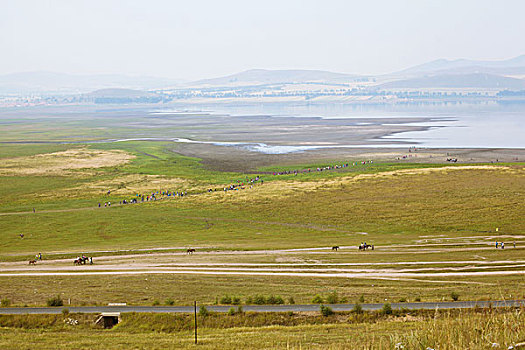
195	312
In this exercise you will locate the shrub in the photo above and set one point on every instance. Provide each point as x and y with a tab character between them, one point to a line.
387	309
249	300
291	300
56	301
5	302
169	301
226	299
156	303
454	296
358	309
317	299
418	299
326	311
236	300
240	310
65	311
402	300
259	300
203	311
362	299
332	298
231	311
274	300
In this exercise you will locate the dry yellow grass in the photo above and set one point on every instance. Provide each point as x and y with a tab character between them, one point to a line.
62	163
276	189
134	183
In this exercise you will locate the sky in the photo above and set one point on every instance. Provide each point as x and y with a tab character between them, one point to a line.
197	39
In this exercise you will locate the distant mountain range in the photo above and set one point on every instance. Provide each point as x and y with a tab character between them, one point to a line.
35	82
265	76
503	74
462	66
462	81
462	73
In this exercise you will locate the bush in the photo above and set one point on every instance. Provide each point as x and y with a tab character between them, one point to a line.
326	311
387	309
274	300
418	299
231	311
403	300
169	301
203	311
362	299
249	300
317	299
5	302
240	310
332	298
236	300
65	311
358	309
259	300
56	301
156	303
454	296
226	299
291	301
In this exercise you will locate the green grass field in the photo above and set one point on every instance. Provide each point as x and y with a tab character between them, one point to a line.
440	219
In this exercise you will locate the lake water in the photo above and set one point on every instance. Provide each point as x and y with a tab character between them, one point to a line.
488	125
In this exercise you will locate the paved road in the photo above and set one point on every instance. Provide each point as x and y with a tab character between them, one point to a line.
260	308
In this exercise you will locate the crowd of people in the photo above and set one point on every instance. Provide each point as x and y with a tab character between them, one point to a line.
319	169
158	195
235	186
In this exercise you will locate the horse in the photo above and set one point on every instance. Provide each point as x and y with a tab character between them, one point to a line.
190	251
79	261
32	262
335	247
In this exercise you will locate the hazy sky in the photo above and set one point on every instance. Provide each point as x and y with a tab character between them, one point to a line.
196	39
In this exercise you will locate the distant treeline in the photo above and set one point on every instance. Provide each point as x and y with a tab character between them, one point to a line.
121	100
508	93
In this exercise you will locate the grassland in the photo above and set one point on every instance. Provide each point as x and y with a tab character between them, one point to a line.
451	330
152	289
433	224
391	203
426	206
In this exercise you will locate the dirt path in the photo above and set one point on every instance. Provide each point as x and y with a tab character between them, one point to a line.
137	267
365	275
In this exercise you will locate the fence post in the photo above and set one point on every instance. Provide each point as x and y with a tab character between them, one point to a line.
195	312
